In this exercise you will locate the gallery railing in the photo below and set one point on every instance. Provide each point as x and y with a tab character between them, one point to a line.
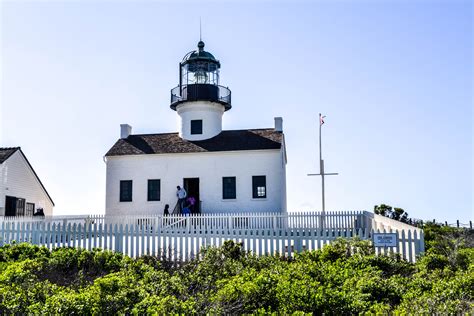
201	92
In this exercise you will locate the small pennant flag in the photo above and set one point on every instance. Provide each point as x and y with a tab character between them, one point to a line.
321	119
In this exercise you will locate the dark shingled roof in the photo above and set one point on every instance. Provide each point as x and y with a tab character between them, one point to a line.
171	143
5	153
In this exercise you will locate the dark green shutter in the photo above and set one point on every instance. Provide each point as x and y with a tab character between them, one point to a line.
125	190
154	190
228	188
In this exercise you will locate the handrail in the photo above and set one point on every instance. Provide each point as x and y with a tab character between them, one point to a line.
204	92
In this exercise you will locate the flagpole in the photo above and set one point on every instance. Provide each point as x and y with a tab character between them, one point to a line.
320	152
321	171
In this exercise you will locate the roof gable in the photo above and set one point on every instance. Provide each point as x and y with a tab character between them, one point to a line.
6	152
234	140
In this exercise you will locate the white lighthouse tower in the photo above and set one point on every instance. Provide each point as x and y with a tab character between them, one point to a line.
199	100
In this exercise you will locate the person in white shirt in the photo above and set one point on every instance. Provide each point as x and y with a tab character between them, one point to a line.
181	194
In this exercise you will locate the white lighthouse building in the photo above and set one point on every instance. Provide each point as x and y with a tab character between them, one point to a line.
223	170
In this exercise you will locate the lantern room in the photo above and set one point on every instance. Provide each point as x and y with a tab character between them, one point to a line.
200	67
199	80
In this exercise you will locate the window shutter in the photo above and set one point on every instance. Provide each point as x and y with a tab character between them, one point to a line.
154	190
229	188
125	190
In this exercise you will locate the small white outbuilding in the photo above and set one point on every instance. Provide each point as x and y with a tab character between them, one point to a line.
224	170
21	190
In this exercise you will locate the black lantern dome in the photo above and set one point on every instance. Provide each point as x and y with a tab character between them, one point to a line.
199	80
200	56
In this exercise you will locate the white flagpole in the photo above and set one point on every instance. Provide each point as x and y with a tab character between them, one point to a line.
321	167
322	173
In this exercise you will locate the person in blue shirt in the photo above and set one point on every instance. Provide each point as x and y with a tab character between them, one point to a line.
181	194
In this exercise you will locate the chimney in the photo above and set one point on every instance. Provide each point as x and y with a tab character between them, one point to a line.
125	130
278	124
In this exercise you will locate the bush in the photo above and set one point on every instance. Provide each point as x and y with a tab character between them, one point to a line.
345	277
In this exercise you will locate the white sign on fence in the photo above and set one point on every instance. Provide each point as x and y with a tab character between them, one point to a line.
385	239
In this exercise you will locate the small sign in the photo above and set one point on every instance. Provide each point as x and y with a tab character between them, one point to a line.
385	240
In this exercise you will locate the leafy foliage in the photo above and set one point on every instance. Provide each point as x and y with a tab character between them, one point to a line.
395	213
345	277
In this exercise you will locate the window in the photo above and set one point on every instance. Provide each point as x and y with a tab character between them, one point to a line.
259	187
228	188
154	190
30	209
126	191
196	127
20	207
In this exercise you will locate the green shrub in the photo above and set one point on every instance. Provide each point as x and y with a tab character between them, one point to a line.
345	277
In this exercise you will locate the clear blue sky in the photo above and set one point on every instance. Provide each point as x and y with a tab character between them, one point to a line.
393	77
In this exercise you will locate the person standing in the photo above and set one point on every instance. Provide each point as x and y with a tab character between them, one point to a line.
181	194
191	204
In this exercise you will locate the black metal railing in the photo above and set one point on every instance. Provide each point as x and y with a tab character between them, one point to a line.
201	92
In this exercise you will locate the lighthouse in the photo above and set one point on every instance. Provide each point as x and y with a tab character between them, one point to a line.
223	171
199	99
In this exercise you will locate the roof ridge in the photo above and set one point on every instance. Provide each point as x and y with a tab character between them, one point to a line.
225	130
8	148
168	133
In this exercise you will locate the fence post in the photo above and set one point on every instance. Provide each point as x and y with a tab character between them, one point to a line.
110	235
100	233
298	241
457	223
89	236
208	239
403	249
116	239
470	224
410	246
422	241
2	234
417	245
229	225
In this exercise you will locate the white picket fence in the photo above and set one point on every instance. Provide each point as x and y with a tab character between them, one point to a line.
349	219
180	238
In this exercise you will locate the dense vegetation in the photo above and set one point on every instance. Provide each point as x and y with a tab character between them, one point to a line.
395	213
343	278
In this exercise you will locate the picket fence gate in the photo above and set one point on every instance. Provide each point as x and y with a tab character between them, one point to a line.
180	238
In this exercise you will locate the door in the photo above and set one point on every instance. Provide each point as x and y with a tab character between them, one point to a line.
191	185
10	205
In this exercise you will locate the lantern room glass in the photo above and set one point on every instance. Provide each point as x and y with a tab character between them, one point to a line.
200	72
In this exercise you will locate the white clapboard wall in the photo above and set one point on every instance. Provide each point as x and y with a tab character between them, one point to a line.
180	238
